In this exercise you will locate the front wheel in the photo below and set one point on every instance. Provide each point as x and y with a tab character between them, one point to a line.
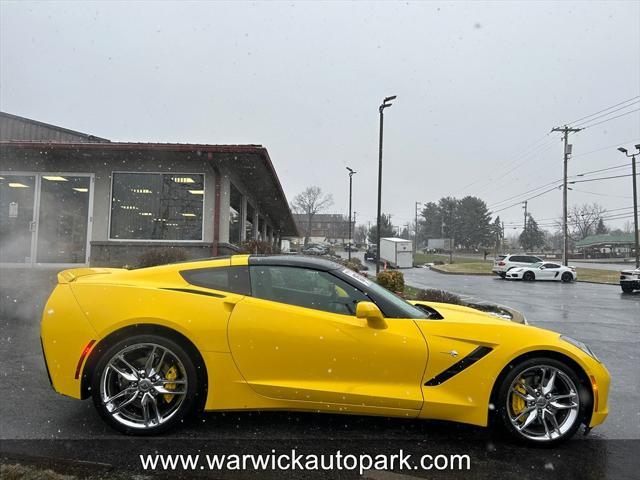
626	288
540	402
144	385
528	277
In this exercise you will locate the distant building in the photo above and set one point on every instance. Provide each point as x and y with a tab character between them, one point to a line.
607	245
68	198
325	227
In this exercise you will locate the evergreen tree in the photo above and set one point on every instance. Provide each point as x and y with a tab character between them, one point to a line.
386	229
532	237
601	228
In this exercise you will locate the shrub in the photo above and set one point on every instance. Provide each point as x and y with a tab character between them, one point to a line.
391	280
440	296
161	256
256	247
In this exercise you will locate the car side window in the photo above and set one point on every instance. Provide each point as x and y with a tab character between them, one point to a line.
305	288
551	265
517	258
533	259
227	279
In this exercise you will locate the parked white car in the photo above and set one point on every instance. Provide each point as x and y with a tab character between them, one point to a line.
543	271
503	263
630	280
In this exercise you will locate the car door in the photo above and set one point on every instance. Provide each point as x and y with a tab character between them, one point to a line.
297	338
551	271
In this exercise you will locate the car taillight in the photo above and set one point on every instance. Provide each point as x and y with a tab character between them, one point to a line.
501	264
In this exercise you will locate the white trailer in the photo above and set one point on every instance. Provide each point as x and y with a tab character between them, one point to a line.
397	252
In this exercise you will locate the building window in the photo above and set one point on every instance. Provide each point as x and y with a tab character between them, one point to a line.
235	215
249	222
157	206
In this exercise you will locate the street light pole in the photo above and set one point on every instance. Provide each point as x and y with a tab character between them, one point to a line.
385	104
415	238
635	199
351	173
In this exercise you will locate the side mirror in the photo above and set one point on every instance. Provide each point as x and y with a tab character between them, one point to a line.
372	314
542	267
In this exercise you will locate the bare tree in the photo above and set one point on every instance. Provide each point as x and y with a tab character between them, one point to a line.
582	220
310	202
360	235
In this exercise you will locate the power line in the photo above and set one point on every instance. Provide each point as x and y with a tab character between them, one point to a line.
605	148
612	118
520	202
609	113
556	181
604	110
601	194
603	178
602	170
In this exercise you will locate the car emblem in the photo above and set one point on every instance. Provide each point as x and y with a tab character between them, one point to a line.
453	353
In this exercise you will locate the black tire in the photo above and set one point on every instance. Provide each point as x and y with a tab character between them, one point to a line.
502	275
566	277
502	398
192	399
528	276
626	288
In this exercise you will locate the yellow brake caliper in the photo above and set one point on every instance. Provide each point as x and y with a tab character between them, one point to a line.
517	402
171	374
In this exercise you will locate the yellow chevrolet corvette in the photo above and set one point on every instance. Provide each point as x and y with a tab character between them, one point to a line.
153	345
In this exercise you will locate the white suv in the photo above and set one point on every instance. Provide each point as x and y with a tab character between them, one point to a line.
504	263
630	280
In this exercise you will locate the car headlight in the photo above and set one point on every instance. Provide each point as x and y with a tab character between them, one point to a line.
581	345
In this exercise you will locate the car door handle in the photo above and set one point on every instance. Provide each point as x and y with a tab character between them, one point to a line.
229	304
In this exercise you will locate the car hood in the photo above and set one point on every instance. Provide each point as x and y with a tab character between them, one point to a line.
631	272
477	312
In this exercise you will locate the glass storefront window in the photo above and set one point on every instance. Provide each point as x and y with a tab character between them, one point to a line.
62	228
157	206
235	215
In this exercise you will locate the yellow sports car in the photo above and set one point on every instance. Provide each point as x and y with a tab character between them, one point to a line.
245	332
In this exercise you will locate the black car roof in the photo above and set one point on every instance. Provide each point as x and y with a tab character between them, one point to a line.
294	261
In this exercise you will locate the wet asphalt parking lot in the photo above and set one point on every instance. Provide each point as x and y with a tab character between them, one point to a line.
36	421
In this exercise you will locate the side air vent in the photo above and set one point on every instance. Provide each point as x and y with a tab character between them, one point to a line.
458	367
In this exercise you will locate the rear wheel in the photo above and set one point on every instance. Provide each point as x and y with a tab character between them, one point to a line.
144	385
540	402
502	275
566	277
528	276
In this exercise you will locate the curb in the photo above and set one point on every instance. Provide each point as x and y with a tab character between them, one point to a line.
435	269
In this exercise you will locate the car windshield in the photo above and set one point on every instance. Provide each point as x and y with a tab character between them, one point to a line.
536	265
407	310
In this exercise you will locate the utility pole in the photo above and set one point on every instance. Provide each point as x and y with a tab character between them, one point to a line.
351	173
524	229
635	200
567	152
415	239
385	104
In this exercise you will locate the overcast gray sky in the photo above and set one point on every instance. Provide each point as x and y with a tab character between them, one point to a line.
479	86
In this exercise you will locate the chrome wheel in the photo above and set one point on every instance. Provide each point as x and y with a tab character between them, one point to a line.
543	403
143	385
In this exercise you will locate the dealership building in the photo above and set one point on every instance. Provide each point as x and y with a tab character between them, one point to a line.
69	198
